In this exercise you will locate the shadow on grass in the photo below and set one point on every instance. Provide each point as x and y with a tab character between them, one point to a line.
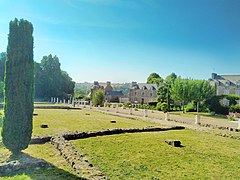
25	166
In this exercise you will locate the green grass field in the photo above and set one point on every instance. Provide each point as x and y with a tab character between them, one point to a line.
62	120
147	156
131	156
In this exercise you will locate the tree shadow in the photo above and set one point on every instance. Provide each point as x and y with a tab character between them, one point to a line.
34	168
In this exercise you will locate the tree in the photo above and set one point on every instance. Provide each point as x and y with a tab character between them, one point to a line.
200	91
3	56
170	78
19	87
164	93
154	78
98	98
180	90
51	81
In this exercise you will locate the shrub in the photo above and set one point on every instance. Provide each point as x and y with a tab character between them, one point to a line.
232	99
162	107
235	108
190	107
214	105
98	98
152	103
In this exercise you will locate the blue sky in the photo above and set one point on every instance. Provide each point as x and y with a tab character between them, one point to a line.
126	40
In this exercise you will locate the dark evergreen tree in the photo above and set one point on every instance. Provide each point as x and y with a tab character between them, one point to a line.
19	87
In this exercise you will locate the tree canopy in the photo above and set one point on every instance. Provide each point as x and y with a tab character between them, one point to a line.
154	78
51	81
19	87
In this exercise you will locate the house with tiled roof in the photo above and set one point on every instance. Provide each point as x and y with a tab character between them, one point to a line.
110	94
142	93
226	84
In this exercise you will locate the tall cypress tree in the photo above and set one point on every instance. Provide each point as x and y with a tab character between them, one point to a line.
19	87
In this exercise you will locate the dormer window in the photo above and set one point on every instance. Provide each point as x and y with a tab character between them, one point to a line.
144	88
152	88
238	83
227	83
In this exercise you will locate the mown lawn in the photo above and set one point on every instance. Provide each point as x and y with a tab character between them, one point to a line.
59	121
147	156
62	120
59	170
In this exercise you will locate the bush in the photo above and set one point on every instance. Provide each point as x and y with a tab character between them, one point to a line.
152	103
190	107
232	99
176	108
162	107
235	108
98	98
214	105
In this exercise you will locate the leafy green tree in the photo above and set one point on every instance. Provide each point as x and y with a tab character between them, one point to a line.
170	78
3	57
98	98
19	87
67	84
154	78
51	81
164	91
180	90
200	91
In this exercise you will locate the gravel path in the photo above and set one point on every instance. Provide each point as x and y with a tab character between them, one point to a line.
187	121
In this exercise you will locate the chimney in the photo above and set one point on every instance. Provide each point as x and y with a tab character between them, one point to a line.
214	75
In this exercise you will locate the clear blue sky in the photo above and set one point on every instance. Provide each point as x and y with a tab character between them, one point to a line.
126	40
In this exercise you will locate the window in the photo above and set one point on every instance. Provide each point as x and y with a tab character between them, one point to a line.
237	92
151	94
238	84
227	83
142	93
226	92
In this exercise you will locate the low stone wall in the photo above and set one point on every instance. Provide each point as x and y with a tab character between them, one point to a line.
76	160
83	135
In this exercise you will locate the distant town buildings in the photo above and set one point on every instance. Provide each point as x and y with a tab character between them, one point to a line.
139	93
226	84
110	94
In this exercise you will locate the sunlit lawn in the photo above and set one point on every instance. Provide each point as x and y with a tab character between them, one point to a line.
63	120
131	156
59	121
60	169
147	156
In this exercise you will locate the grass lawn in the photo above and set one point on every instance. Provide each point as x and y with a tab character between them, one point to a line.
62	120
59	121
147	156
60	169
131	156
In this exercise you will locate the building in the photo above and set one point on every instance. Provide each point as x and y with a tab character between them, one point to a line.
226	84
110	94
142	93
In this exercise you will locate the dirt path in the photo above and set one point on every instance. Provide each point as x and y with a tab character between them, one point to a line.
220	127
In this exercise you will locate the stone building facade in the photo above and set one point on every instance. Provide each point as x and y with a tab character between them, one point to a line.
226	84
110	94
142	93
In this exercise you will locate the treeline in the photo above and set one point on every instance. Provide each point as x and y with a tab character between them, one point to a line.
50	80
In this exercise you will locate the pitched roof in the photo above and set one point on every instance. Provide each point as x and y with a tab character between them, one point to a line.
145	86
114	93
234	79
